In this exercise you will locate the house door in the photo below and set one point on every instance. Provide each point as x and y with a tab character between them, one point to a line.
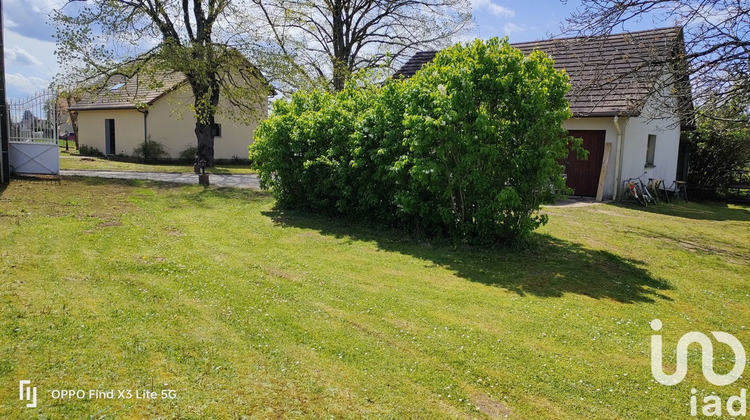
583	175
109	137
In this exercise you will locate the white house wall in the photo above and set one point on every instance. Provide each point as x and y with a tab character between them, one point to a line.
128	129
635	145
171	123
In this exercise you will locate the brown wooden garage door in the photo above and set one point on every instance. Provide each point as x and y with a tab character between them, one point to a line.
583	175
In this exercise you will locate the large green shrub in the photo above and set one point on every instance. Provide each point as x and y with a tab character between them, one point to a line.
468	148
484	128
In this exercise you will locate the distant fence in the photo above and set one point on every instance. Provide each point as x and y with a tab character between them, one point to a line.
32	128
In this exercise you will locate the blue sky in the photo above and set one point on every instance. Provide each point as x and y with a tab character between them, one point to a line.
531	20
520	20
31	64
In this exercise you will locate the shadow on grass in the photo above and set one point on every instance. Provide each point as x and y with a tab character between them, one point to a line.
36	179
550	268
97	181
716	211
201	198
198	197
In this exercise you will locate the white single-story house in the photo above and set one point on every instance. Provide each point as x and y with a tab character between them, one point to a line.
627	95
127	111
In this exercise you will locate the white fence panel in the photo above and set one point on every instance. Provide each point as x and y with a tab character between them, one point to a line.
32	124
34	158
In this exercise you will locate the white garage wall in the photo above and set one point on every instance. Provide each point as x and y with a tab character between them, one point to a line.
635	131
666	127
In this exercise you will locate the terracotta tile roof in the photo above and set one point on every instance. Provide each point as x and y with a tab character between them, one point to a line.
122	93
609	75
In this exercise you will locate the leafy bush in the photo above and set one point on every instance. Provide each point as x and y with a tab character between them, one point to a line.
484	128
86	150
466	149
188	154
150	150
331	153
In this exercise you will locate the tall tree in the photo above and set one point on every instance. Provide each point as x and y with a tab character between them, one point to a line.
322	43
98	39
717	41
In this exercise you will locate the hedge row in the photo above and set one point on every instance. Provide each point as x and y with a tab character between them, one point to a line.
468	148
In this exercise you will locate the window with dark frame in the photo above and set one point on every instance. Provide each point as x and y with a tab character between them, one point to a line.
216	130
650	150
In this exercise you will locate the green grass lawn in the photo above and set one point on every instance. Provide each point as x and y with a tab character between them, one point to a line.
72	161
71	146
244	310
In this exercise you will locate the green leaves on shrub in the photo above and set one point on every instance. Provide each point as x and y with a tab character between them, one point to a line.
188	154
85	150
150	150
468	148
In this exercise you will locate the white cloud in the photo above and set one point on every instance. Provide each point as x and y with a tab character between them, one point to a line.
19	56
510	28
500	11
31	18
43	59
27	73
495	9
20	84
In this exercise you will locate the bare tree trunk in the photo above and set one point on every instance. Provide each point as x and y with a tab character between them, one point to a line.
73	116
206	97
205	136
340	74
340	55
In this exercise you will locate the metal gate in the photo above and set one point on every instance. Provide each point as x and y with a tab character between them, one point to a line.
32	128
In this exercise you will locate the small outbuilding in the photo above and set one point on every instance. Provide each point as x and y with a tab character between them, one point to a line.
127	112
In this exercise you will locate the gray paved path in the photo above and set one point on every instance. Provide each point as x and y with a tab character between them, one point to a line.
219	180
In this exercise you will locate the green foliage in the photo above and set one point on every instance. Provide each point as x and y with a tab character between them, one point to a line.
85	150
718	146
188	155
484	128
465	149
150	150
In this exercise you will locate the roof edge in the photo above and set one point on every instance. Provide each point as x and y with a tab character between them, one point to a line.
573	37
101	107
